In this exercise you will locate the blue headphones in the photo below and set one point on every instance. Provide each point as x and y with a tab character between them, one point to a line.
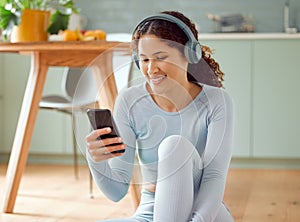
192	49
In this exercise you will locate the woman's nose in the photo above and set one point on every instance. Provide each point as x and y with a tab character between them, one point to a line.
152	66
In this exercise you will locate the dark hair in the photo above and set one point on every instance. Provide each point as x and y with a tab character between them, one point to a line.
170	31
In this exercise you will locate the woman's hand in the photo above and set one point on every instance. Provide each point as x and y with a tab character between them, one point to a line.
100	149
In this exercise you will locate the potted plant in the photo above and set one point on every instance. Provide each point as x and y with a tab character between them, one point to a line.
15	13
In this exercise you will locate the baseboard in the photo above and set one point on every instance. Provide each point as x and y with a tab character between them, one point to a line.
265	163
42	158
236	162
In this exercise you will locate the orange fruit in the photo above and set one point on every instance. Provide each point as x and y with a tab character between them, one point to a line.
100	34
69	35
96	34
90	33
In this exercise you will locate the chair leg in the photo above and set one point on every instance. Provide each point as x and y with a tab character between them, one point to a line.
91	185
75	158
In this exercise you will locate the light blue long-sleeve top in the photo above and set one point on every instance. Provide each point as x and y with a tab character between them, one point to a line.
207	123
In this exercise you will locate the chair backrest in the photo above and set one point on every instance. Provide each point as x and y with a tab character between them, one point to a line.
79	85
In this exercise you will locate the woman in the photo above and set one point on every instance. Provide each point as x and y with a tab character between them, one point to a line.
180	128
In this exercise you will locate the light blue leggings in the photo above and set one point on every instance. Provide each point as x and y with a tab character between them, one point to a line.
179	178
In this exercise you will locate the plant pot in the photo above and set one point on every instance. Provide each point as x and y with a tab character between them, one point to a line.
33	26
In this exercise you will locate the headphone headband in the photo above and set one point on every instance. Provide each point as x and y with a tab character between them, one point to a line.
193	52
173	19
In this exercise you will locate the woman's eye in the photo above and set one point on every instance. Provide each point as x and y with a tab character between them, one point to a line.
161	58
144	60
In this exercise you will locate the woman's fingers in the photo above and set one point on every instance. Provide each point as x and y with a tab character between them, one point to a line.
98	145
101	149
96	133
114	148
94	144
103	153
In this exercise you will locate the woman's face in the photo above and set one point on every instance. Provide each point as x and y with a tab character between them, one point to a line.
163	66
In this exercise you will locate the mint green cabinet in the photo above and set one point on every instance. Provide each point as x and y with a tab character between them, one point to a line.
276	102
15	73
1	76
1	125
263	77
234	58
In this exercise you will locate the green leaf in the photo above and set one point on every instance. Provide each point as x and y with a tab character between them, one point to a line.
6	17
58	21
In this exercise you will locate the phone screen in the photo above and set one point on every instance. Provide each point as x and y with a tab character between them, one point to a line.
101	118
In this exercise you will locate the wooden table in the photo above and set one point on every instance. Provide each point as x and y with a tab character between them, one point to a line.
97	54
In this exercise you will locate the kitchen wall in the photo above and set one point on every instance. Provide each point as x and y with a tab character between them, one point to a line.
122	15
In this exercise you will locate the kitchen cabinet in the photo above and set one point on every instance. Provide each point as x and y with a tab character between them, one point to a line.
15	72
262	77
234	58
1	76
50	133
276	103
1	125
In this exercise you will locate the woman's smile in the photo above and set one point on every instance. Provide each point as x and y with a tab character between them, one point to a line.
156	80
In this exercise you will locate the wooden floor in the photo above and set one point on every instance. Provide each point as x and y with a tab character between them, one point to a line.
51	193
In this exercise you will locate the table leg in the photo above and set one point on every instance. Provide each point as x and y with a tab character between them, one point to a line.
104	74
24	131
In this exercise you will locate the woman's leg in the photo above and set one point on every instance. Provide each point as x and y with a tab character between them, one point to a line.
224	215
144	213
178	167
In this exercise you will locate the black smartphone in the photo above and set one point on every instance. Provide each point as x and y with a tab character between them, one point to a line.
101	118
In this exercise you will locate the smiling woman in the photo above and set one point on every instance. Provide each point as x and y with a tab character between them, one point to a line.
180	127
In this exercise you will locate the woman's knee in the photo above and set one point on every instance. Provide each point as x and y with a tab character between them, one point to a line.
176	153
175	145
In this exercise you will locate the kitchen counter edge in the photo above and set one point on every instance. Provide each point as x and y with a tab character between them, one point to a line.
246	36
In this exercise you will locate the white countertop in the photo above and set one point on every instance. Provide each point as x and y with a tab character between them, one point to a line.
126	37
253	36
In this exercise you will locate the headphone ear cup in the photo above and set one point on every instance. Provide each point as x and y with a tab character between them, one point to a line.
193	52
